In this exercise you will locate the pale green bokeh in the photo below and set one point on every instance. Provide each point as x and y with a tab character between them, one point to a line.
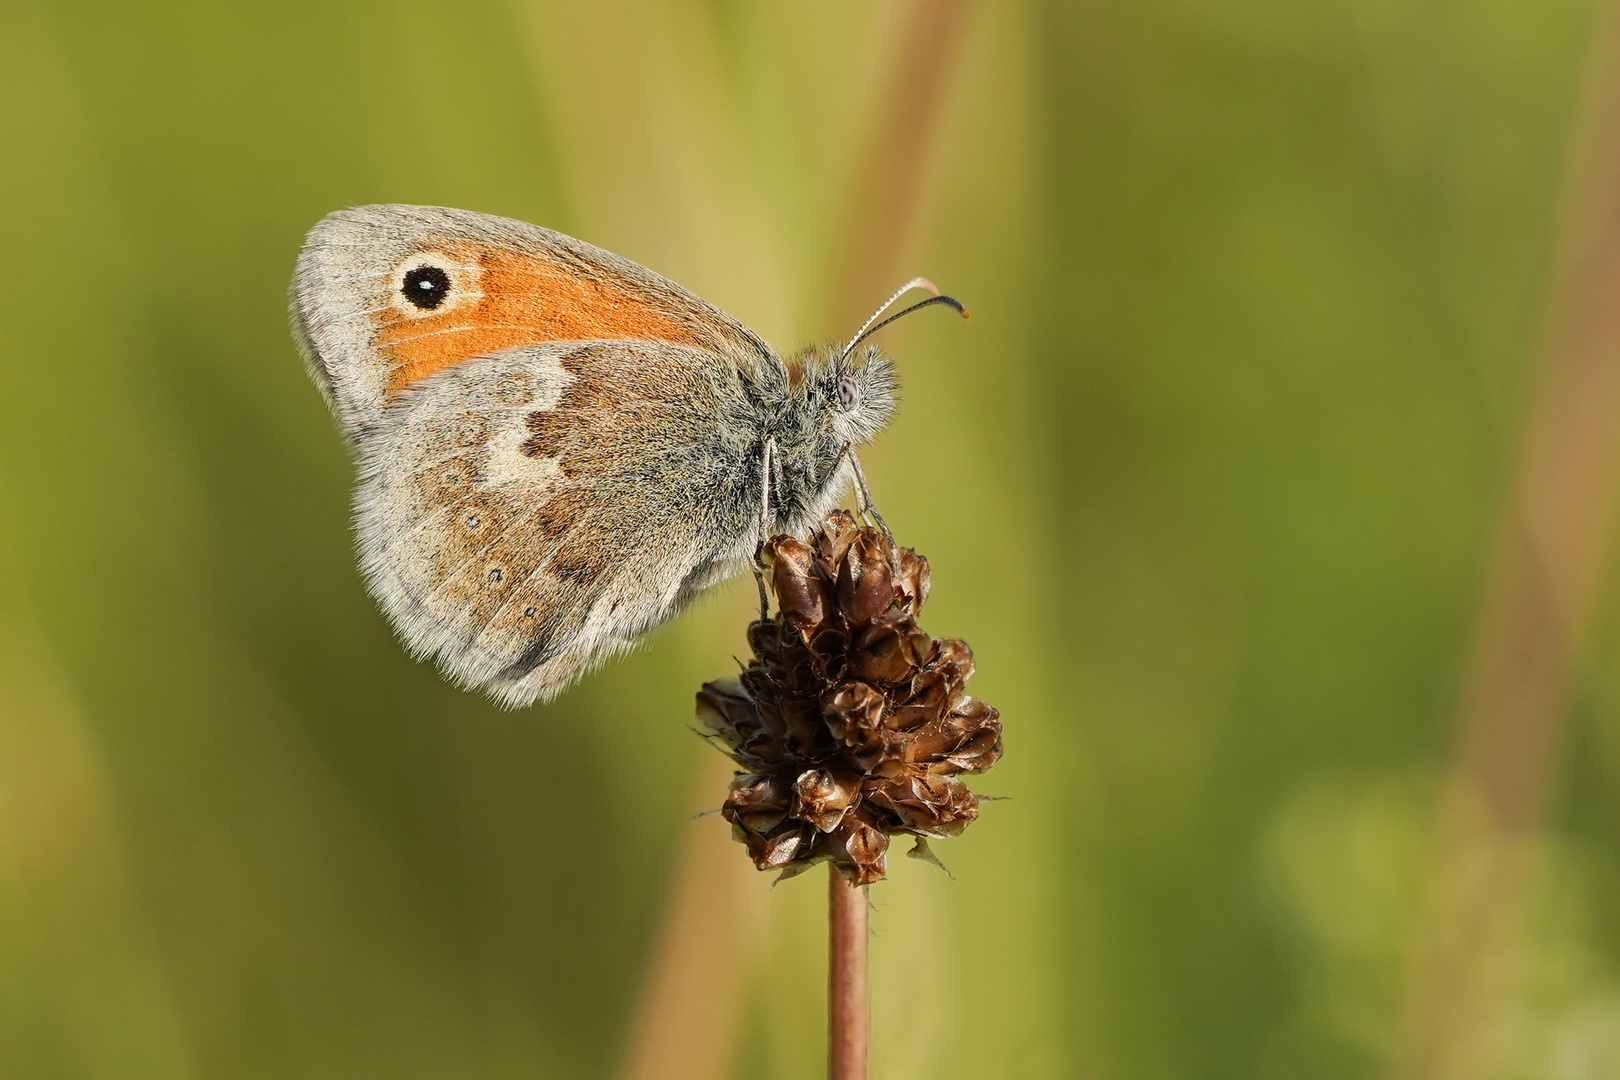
1208	482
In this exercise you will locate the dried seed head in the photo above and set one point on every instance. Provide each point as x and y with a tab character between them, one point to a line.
850	722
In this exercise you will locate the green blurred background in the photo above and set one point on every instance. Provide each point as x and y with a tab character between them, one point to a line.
1210	482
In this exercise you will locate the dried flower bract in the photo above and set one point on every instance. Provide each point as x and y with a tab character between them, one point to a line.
850	722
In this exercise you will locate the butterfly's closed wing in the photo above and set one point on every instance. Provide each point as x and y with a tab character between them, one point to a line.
385	296
557	446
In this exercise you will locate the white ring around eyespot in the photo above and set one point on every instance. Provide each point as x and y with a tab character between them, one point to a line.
463	275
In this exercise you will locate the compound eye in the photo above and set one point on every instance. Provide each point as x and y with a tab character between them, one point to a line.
849	395
426	287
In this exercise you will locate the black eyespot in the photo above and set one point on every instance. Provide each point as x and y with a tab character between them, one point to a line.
849	395
426	287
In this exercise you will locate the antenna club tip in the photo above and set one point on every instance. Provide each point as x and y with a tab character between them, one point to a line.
966	314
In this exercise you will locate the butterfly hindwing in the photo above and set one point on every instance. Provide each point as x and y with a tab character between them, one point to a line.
524	514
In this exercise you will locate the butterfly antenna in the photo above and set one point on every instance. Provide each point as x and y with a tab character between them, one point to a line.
872	326
914	283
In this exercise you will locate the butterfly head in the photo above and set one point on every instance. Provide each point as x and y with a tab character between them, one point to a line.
852	396
858	381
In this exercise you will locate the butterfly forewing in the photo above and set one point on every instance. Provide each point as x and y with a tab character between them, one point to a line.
385	296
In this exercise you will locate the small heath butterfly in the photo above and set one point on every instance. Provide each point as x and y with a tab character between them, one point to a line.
558	448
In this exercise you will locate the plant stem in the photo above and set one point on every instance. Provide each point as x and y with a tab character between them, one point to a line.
847	1012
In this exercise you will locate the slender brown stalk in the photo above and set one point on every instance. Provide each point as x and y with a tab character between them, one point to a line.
848	1013
885	208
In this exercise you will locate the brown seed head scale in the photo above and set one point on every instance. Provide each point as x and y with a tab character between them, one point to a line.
849	723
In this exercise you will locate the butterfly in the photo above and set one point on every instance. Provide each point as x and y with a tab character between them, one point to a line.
557	448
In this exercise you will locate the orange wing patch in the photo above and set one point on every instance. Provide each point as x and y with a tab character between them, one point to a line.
515	299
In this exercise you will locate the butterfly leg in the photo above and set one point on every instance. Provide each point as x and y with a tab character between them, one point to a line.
863	494
767	470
